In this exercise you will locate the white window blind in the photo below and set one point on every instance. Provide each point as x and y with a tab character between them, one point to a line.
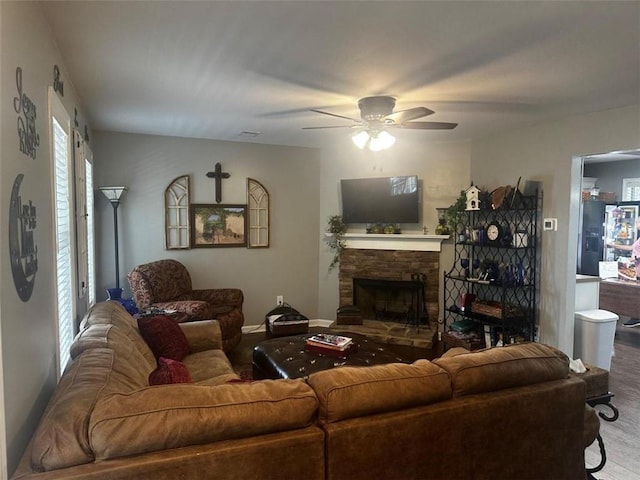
81	212
91	248
64	234
630	189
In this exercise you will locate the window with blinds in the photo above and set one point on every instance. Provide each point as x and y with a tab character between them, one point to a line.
91	247
630	189
83	183
64	230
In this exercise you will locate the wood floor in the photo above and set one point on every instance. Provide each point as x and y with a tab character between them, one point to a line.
622	437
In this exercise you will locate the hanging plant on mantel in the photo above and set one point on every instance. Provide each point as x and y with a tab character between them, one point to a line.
336	229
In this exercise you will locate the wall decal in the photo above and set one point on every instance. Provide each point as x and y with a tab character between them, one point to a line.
86	134
75	117
218	175
22	249
58	85
29	137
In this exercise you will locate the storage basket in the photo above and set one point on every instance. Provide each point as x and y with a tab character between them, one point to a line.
495	309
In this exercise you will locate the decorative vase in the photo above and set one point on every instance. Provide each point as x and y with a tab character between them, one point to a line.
115	293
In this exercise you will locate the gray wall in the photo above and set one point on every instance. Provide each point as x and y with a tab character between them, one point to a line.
28	328
550	153
148	164
442	168
610	174
303	186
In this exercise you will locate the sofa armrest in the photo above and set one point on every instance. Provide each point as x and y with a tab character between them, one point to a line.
231	297
202	335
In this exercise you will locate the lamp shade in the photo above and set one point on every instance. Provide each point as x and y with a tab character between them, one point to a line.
374	141
361	139
381	141
114	194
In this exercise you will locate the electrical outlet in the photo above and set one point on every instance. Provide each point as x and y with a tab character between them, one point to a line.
280	300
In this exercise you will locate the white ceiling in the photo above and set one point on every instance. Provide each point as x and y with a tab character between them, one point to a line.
215	69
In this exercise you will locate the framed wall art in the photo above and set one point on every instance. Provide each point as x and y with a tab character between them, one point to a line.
216	225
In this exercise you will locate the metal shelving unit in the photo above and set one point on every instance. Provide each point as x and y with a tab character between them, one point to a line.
491	290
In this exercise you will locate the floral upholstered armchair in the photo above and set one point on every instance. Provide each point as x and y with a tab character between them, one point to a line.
167	284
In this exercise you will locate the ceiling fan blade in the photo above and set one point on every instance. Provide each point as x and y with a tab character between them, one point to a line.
332	126
402	116
336	115
427	125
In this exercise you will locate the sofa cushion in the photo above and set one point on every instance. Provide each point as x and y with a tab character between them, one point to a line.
61	437
207	365
164	337
169	371
95	329
172	416
504	367
357	391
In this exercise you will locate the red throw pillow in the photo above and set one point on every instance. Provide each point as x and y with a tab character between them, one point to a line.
169	371
164	337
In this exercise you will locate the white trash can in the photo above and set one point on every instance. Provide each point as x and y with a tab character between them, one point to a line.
594	334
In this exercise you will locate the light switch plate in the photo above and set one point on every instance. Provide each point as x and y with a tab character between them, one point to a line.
550	224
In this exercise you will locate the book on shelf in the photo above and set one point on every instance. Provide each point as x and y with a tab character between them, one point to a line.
463	326
335	342
488	341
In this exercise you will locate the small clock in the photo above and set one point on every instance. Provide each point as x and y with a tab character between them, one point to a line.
494	232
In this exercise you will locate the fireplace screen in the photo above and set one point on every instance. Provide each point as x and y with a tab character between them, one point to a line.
391	300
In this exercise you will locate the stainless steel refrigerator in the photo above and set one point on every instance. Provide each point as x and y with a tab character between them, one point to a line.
591	237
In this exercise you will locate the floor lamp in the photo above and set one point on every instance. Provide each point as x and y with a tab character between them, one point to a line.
115	194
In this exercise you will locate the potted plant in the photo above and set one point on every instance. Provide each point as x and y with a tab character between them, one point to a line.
336	228
454	212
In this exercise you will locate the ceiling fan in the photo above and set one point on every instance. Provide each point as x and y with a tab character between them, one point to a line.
376	115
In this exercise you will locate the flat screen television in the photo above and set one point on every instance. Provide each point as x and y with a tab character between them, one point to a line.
381	200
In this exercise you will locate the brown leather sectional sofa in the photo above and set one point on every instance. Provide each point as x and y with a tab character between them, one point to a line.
501	414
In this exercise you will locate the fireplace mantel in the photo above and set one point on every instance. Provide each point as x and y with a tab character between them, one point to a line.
405	241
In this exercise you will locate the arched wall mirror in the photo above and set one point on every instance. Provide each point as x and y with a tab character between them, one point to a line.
176	207
258	205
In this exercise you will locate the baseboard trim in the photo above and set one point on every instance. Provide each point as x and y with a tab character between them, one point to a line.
318	322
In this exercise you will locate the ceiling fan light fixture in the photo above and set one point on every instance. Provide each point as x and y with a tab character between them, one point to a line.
361	139
381	141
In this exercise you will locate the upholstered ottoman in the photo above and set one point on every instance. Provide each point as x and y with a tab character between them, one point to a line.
286	357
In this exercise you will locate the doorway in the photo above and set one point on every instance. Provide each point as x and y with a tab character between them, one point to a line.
606	172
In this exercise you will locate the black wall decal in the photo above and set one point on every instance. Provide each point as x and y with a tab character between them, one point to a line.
58	85
75	117
86	134
29	137
22	249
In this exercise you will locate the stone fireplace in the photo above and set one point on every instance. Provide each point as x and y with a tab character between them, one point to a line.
397	268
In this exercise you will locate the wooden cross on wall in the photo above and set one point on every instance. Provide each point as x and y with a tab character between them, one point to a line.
218	175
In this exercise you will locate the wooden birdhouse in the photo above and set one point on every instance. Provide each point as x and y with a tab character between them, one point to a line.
473	202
